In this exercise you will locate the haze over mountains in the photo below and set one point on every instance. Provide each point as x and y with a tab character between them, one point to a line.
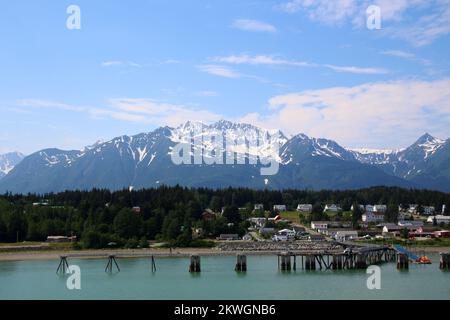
144	160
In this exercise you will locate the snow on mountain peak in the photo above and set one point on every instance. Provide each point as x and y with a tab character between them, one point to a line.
8	161
428	144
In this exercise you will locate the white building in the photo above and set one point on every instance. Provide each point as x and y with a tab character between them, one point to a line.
439	219
332	208
381	208
279	207
346	235
259	222
371	216
319	225
428	210
279	237
304	207
259	206
288	233
413	208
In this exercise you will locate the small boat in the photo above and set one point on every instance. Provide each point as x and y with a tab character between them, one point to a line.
424	260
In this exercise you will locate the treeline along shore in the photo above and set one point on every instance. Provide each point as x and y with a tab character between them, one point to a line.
174	216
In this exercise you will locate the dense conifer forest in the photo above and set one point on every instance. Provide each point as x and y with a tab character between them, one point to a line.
101	218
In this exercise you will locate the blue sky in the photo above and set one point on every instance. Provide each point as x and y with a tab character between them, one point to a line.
301	66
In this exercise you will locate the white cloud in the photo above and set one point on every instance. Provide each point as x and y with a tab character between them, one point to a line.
260	59
419	22
253	25
406	55
171	61
118	63
369	115
270	60
146	111
427	28
206	93
162	113
329	12
357	70
218	70
399	54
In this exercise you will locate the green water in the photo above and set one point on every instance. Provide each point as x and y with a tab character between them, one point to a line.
218	280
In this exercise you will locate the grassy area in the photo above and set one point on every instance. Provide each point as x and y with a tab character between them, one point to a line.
291	215
18	244
51	246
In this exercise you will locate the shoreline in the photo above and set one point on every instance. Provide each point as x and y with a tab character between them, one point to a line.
161	253
122	253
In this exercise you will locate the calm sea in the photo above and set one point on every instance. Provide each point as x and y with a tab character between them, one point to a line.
218	280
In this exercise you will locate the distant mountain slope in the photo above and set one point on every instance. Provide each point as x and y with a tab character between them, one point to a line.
8	161
426	163
144	160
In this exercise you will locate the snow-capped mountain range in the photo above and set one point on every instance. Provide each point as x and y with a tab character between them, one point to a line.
144	160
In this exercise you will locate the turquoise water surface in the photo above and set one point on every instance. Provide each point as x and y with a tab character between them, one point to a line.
218	280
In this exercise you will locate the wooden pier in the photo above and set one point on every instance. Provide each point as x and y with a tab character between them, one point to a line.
358	258
353	257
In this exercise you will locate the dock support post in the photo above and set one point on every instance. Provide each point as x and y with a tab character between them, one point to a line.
284	262
241	263
195	264
63	265
310	262
445	261
337	262
361	262
109	266
402	261
153	264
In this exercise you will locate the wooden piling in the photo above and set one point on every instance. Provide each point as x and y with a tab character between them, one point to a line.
195	264
63	265
284	260
153	264
361	261
402	261
310	262
109	266
445	261
337	263
241	263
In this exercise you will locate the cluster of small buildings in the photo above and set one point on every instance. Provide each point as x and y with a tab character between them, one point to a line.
415	209
276	208
415	229
374	213
338	230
